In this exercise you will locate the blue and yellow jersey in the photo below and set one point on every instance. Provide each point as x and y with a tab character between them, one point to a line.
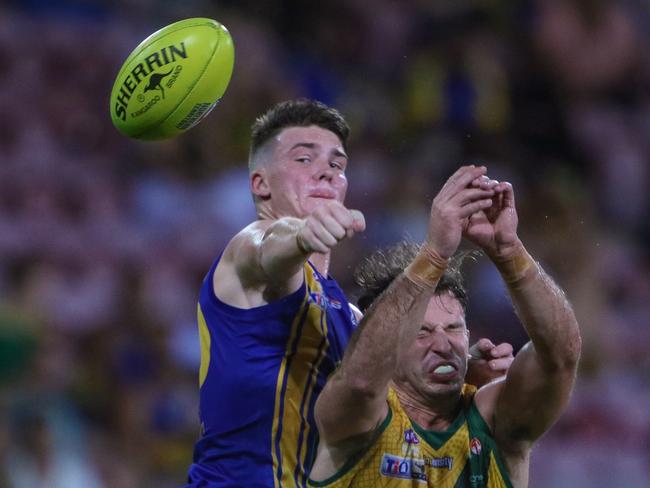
406	455
261	372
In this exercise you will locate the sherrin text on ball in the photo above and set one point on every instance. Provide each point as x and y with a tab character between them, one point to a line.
173	79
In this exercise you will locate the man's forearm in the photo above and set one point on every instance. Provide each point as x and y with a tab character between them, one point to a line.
396	316
280	255
543	309
370	358
354	399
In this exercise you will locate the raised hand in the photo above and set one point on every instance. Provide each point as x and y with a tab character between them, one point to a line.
459	198
494	228
328	225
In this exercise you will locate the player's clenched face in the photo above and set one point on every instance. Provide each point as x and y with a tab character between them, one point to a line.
306	167
435	363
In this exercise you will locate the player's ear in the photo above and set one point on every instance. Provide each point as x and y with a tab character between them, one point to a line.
259	183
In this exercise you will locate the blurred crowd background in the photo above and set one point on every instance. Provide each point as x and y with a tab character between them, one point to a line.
104	241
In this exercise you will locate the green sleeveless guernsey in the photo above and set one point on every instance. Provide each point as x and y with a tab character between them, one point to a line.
406	455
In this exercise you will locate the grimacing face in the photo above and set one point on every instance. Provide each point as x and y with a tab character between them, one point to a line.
435	362
305	167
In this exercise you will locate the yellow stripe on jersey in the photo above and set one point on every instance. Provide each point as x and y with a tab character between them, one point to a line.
204	337
495	478
296	380
277	417
312	381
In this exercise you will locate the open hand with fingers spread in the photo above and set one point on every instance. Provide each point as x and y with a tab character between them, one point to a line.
328	225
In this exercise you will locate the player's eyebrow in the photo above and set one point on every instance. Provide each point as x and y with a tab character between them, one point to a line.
308	145
458	324
312	145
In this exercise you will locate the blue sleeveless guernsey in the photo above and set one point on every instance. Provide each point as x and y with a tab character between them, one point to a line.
261	372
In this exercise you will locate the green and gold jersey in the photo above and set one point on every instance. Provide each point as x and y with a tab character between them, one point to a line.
406	455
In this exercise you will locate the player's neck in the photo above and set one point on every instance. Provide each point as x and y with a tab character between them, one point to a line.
422	412
264	212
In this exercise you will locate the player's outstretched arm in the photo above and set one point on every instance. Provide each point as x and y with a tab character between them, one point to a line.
540	379
353	402
268	255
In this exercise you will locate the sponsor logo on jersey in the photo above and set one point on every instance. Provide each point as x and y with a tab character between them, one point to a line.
323	302
441	462
411	437
476	481
403	468
334	303
475	446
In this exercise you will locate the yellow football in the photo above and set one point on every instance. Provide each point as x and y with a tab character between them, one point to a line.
173	79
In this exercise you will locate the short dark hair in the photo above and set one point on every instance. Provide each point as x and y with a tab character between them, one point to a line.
376	272
297	113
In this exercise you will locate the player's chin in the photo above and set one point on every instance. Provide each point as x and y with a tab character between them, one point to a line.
444	387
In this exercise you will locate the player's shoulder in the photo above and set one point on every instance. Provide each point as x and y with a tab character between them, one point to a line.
236	267
247	237
253	230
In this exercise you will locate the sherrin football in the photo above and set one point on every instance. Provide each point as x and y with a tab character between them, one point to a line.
173	79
